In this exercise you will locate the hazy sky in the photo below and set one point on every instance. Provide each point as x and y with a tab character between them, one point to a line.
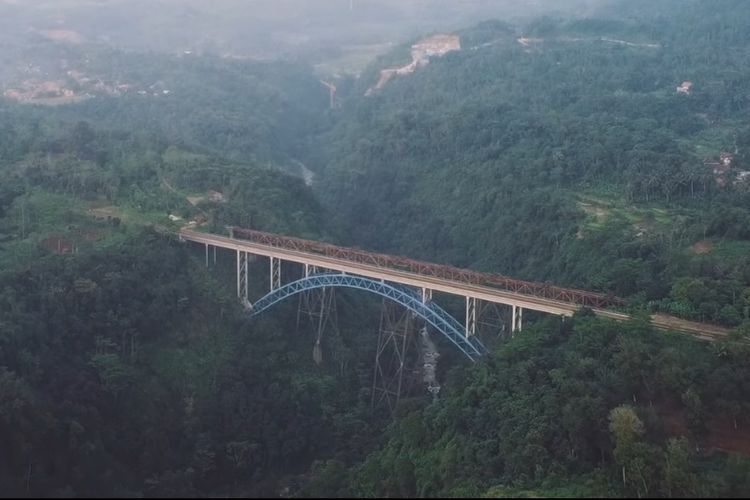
237	24
335	35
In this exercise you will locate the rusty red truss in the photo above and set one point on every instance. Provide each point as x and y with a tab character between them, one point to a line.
450	273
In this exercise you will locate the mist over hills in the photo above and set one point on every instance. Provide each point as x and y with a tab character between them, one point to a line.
258	28
597	145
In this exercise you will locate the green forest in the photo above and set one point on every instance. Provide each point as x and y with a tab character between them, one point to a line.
569	151
573	161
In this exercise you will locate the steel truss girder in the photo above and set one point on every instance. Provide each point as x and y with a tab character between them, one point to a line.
580	297
430	312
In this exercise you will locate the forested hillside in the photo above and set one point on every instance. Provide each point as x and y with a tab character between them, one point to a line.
609	153
563	151
128	371
126	367
588	409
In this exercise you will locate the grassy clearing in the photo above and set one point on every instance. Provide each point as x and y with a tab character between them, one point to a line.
712	141
731	250
41	223
605	206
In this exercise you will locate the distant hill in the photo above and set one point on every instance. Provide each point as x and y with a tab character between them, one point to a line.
595	152
261	28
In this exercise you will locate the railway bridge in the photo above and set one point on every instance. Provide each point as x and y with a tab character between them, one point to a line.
407	287
412	283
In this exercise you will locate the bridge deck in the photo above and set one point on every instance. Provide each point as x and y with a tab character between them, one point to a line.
440	284
442	271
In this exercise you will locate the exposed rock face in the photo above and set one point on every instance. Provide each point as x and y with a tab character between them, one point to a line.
421	52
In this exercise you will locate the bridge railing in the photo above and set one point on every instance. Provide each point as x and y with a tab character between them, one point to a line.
542	290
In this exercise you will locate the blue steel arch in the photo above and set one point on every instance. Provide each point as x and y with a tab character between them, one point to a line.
430	312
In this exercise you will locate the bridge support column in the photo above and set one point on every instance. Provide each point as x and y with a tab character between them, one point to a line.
243	283
426	295
275	273
491	321
517	319
310	270
396	359
320	308
214	252
471	317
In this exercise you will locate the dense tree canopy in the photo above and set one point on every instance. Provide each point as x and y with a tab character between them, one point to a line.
558	150
500	155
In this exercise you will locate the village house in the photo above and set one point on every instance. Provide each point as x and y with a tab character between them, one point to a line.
685	88
726	159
